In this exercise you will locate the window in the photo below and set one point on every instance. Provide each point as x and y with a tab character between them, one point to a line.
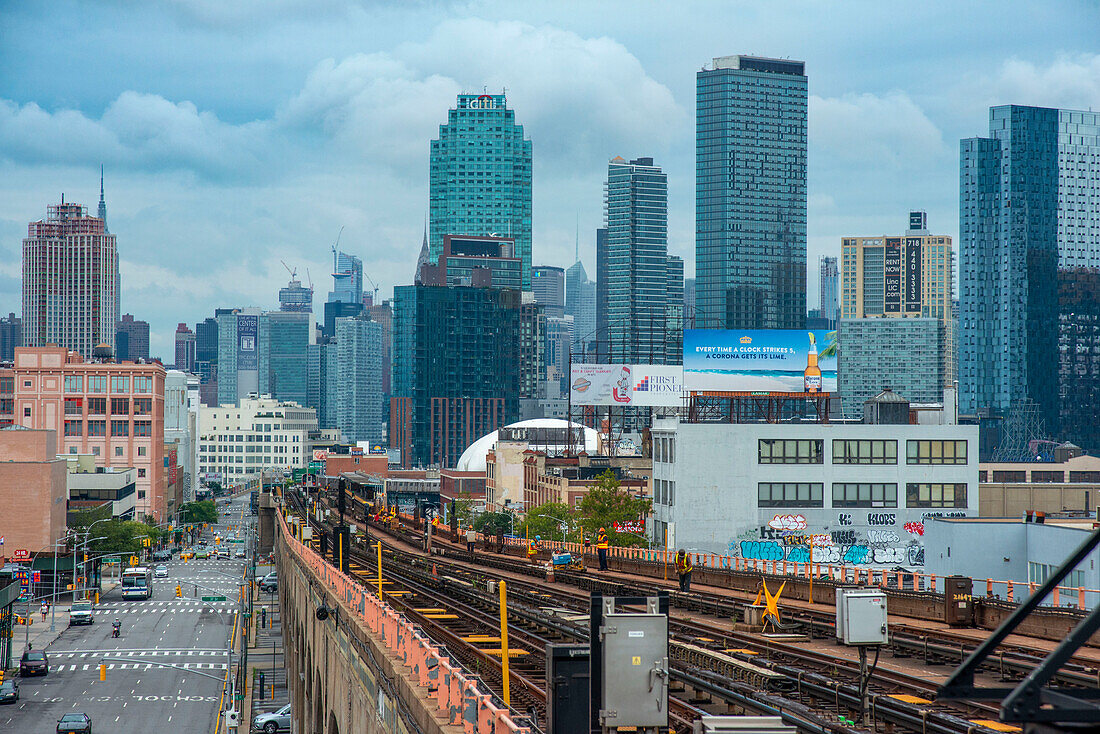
26	412
670	451
935	495
120	406
118	451
936	452
95	449
143	406
74	428
120	428
98	406
865	494
97	428
142	450
120	383
143	428
72	449
1048	476
865	451
1002	477
790	494
73	406
141	473
74	383
26	383
141	492
983	476
143	384
790	451
1085	477
97	383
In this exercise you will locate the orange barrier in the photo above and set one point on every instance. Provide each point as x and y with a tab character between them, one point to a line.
456	695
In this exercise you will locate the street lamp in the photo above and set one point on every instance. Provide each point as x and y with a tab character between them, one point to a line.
561	524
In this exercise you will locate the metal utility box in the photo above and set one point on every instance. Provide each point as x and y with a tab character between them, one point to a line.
840	592
567	688
958	601
635	670
864	617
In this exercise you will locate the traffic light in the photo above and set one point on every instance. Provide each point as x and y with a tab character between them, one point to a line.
179	591
1	676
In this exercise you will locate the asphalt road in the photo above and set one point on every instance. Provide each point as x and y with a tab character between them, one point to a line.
138	695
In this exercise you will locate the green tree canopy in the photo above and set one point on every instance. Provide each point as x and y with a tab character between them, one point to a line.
122	536
201	511
545	521
492	523
608	503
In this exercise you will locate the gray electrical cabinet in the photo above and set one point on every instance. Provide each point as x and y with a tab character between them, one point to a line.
635	670
862	614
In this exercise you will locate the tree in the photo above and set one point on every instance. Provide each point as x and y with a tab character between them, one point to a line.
608	503
464	508
545	520
492	523
123	536
201	511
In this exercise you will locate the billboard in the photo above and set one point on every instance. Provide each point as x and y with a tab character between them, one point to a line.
760	360
892	276
912	274
248	358
645	385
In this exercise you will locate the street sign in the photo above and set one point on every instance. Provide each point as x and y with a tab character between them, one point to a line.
112	561
22	554
213	598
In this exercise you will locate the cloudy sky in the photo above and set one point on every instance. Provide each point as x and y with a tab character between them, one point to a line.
239	133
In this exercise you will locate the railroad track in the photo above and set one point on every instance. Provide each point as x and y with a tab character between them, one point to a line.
812	690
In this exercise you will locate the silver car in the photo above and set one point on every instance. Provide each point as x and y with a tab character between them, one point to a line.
273	722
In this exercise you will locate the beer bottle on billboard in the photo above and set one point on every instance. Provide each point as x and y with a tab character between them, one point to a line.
812	375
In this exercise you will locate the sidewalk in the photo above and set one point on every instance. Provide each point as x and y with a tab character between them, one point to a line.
265	655
40	635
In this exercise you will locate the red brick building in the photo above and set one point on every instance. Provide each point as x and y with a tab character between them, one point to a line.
33	490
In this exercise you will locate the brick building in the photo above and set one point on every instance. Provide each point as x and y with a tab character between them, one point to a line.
32	490
111	410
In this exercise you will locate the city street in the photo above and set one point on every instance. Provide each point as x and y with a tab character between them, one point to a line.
139	695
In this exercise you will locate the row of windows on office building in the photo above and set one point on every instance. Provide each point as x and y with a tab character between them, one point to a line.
845	494
119	428
98	384
861	451
98	406
845	451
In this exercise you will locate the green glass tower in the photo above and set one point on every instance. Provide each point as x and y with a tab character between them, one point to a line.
480	178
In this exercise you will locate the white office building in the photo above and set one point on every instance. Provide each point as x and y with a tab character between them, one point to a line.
861	491
261	433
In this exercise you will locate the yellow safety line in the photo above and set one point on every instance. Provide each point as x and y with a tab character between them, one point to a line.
995	725
906	698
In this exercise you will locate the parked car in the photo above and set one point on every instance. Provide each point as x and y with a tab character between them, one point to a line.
269	583
272	722
34	662
80	613
9	691
75	723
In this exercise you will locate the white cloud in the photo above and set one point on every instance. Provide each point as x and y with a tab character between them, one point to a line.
1068	82
872	130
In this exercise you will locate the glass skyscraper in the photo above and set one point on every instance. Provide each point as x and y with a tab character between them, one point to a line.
283	345
750	194
580	303
358	380
638	321
1029	231
480	177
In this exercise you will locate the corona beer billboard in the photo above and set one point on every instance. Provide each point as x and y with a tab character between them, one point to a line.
771	360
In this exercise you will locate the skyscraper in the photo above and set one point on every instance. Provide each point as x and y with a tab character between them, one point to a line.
137	333
456	369
1029	253
674	312
689	303
185	348
346	297
603	278
283	355
548	285
829	284
357	382
638	267
238	354
750	194
70	281
11	336
296	297
480	177
580	303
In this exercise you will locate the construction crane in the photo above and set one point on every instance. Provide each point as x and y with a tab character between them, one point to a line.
293	273
337	273
375	300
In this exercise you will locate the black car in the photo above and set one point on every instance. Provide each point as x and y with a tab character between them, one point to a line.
74	724
9	691
34	662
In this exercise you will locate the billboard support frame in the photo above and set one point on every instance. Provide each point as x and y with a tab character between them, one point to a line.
748	407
